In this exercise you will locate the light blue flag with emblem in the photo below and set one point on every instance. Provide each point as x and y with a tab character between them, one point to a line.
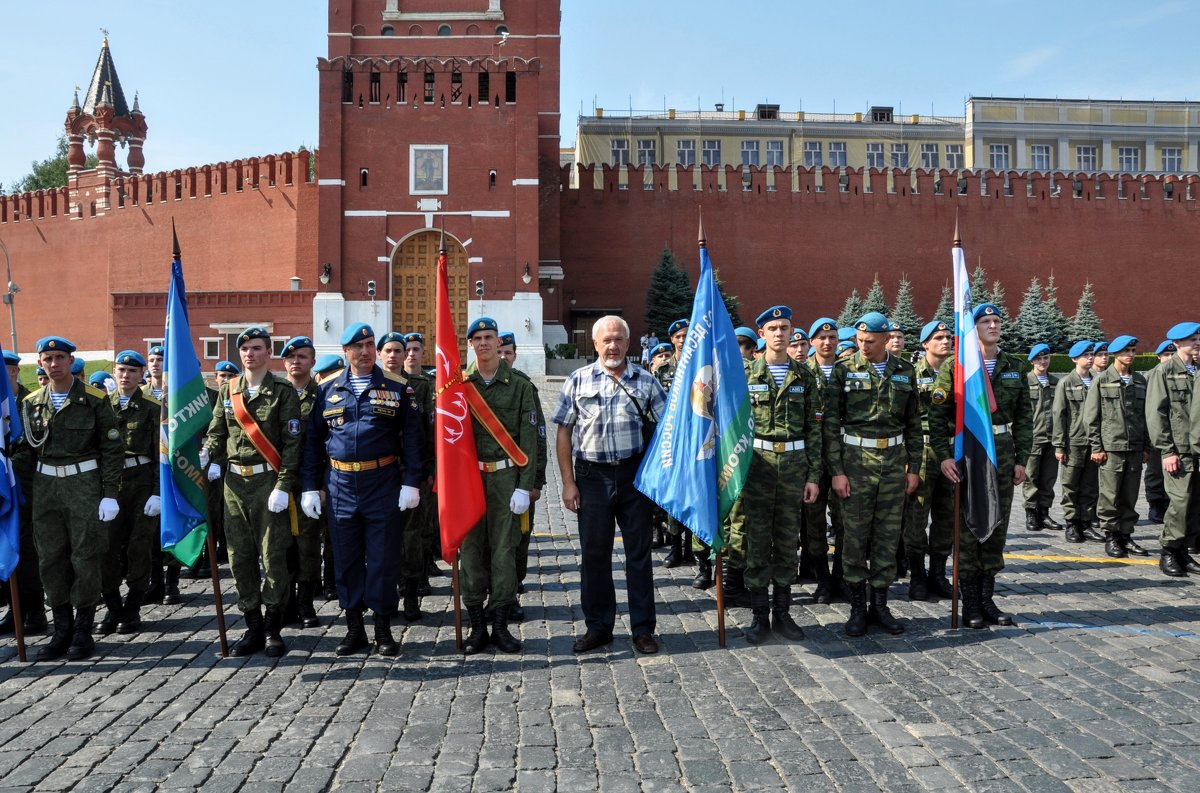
700	454
10	488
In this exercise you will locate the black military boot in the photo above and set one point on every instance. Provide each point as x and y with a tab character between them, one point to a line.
255	637
674	556
918	583
306	591
64	629
384	643
112	614
329	585
412	599
937	582
35	618
515	612
781	618
704	578
504	641
154	594
289	615
1186	561
171	594
857	624
689	555
82	644
275	648
879	613
1113	546
478	638
1158	511
7	623
1130	546
1046	521
1032	522
1091	531
823	594
760	626
1074	531
972	611
1168	563
992	614
131	615
356	634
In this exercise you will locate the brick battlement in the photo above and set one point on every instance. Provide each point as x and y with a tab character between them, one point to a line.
205	181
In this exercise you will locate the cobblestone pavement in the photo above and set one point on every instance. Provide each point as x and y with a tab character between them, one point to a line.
1096	689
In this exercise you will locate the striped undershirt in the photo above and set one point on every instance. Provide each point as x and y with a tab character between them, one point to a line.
58	399
779	372
879	367
359	383
1044	379
826	369
990	366
124	399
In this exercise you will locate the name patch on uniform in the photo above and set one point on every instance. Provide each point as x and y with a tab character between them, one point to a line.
754	387
939	396
293	426
858	375
796	389
900	378
924	381
382	411
1010	375
330	412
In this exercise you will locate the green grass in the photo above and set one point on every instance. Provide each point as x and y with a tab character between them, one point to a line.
29	372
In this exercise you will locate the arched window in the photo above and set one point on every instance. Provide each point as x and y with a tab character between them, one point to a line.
501	30
443	30
387	30
415	30
362	178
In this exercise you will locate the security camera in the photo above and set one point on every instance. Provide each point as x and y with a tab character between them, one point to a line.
479	289
371	290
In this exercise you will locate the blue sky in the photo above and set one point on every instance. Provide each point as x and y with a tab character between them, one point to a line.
221	80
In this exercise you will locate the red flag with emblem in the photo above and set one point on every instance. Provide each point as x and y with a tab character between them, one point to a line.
459	486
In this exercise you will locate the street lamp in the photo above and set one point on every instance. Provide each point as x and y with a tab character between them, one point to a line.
9	295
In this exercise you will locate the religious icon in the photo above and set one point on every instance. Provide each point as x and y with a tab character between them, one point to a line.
427	169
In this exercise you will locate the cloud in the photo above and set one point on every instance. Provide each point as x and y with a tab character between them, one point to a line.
1028	63
1150	16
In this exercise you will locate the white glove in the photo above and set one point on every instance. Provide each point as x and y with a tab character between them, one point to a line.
153	506
204	458
310	503
519	504
410	497
214	472
277	501
108	509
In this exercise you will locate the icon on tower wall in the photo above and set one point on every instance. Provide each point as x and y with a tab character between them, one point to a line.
427	168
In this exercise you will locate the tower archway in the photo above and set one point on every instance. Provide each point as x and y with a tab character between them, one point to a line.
414	288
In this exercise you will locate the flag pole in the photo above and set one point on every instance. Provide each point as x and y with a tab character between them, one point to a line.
957	485
703	242
458	640
18	624
210	545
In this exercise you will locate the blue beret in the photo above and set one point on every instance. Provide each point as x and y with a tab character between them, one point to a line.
417	337
249	334
508	338
746	333
98	378
130	358
1079	348
77	366
297	343
661	348
357	332
894	327
812	351
11	358
932	328
158	350
482	323
873	322
846	345
760	345
329	362
1038	349
228	367
56	344
774	312
676	326
390	337
985	310
1122	343
821	325
798	335
41	372
1181	331
846	334
1099	347
1164	347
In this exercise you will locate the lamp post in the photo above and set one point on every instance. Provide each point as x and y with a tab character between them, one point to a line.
9	294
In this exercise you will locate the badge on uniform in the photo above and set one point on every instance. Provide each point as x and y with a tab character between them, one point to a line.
858	375
113	435
796	389
228	404
293	426
924	381
900	378
334	398
533	417
939	396
1010	375
756	387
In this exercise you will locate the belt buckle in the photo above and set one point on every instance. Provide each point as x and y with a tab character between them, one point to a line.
356	466
780	447
881	443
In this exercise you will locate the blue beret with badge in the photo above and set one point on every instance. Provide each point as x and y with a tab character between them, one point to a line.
130	358
297	343
77	366
228	367
760	345
873	322
481	324
1080	348
846	345
1036	350
359	331
98	379
1122	343
894	327
812	351
746	333
661	348
329	362
932	328
821	325
508	339
389	338
249	334
846	334
11	358
414	336
54	344
1165	347
1100	347
798	334
40	372
773	313
1178	333
158	350
676	326
985	310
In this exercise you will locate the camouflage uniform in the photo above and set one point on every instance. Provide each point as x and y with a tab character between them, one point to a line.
1170	421
683	545
816	542
312	532
1115	416
539	482
935	495
1041	470
1080	481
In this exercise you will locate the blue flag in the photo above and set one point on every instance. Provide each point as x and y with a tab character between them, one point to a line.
185	417
700	454
10	489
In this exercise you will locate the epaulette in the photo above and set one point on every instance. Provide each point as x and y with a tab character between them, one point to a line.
324	378
150	398
96	392
395	377
34	394
522	374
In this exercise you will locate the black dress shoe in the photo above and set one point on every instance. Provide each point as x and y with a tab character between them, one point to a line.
1131	547
590	641
1091	534
1169	564
1187	562
645	644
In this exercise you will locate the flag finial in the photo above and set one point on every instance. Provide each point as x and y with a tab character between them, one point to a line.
701	238
442	246
957	239
174	241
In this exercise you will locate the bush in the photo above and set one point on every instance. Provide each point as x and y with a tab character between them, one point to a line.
567	350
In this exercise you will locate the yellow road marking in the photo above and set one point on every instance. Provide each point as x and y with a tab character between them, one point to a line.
1037	557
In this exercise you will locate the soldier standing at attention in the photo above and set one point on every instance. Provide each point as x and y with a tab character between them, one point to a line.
824	337
1042	469
747	340
71	431
895	342
785	468
165	591
873	431
1012	428
1115	415
1070	439
935	494
681	537
797	348
1100	357
1156	491
29	582
134	532
426	516
304	558
255	437
1169	423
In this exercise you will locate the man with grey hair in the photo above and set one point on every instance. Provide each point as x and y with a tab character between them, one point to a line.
601	414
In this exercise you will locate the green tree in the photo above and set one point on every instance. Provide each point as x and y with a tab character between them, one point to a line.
312	162
906	315
1057	338
1085	325
1035	325
732	304
851	311
945	307
50	172
1010	337
875	300
979	290
669	297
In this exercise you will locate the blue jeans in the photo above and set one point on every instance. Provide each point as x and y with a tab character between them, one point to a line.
607	499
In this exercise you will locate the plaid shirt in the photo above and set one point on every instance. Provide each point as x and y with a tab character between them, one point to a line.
605	425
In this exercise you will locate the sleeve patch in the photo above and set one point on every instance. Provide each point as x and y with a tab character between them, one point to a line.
293	427
939	396
114	435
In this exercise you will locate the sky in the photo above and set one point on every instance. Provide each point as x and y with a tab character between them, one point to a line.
220	80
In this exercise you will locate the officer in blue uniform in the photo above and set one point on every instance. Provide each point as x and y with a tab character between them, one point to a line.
364	447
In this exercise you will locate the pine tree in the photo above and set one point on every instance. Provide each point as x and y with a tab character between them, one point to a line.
1010	337
732	304
1061	326
851	311
875	300
907	316
1085	325
945	307
1034	322
979	290
669	297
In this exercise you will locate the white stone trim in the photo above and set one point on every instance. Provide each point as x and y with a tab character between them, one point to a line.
522	182
331	183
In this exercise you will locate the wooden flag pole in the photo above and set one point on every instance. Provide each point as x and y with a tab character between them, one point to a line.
954	574
18	617
458	640
210	545
720	584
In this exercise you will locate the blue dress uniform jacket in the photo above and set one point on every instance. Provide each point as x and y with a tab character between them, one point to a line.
365	522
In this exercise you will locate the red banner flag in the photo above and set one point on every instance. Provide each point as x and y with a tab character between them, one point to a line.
459	486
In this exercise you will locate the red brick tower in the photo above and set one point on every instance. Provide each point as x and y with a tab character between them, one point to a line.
432	113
